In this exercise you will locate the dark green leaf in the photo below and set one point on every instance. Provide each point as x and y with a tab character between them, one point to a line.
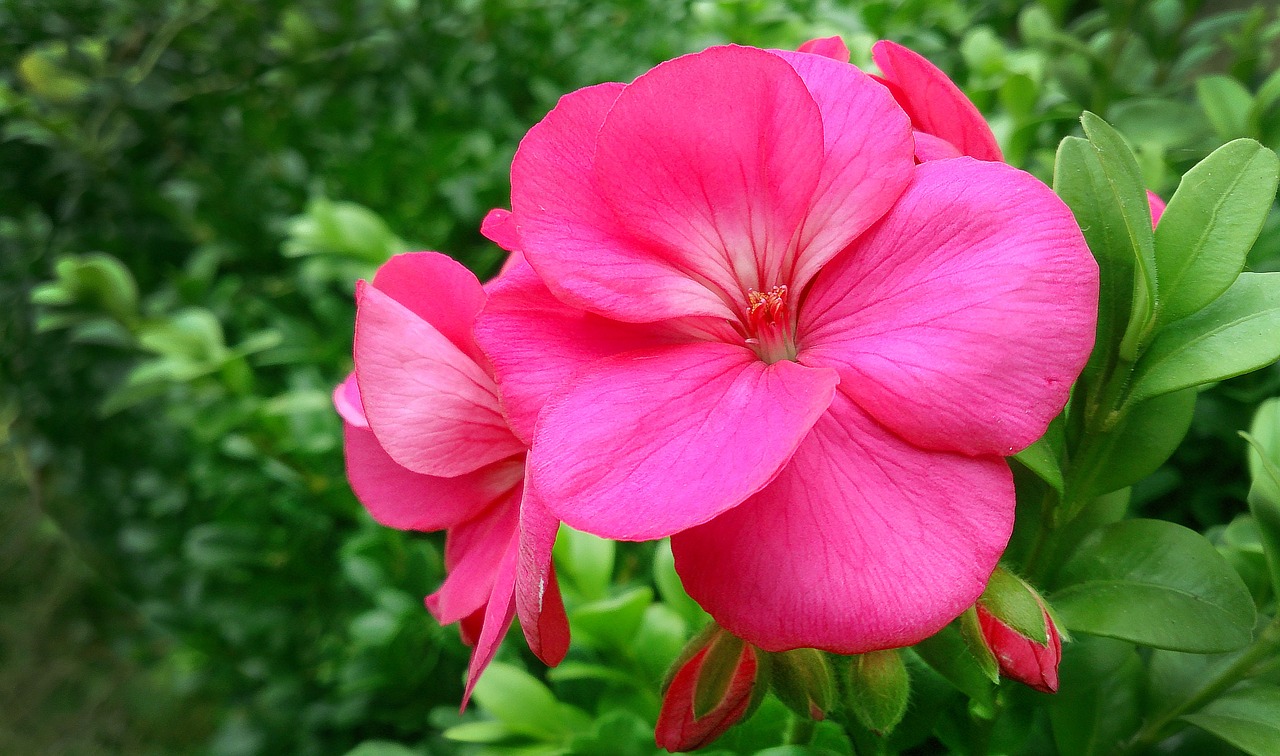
1148	435
1097	704
1157	584
948	655
1247	718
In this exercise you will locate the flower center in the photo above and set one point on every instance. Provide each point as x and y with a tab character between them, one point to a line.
772	329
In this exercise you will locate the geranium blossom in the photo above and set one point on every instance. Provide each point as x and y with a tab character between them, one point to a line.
829	349
427	449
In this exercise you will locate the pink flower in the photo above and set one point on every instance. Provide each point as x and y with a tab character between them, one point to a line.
758	327
427	448
1021	658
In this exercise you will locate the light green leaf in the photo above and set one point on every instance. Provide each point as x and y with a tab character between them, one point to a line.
1235	334
611	622
671	589
479	732
1227	104
1042	457
586	559
1264	470
1211	223
1247	718
1013	603
1157	584
522	703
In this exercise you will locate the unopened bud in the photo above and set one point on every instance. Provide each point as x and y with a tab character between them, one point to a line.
879	687
802	680
713	686
1019	632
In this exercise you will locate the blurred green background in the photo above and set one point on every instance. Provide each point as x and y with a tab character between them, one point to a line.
189	190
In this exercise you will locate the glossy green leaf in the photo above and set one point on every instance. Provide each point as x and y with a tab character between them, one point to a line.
611	622
586	559
1157	584
1042	456
671	589
1264	493
948	655
520	702
1096	706
1211	223
1247	718
1144	440
1124	189
475	732
1235	334
1227	104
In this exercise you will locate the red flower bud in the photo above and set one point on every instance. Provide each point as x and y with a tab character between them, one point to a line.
1022	658
711	690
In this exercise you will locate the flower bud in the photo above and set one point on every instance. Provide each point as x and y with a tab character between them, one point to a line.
802	680
714	686
1019	633
879	687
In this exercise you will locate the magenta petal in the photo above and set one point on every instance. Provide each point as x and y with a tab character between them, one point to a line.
536	342
930	147
651	442
936	105
869	160
498	613
570	235
346	400
473	553
828	47
431	406
499	227
1157	207
962	319
711	161
538	600
437	289
406	500
863	542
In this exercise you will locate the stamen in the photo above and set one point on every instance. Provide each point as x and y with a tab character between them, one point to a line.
770	323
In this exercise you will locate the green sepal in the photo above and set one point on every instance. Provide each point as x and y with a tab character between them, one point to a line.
879	687
801	679
1016	604
971	631
716	673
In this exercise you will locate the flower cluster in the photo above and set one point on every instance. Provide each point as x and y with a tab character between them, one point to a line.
788	314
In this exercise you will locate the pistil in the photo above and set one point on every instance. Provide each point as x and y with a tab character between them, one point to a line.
771	325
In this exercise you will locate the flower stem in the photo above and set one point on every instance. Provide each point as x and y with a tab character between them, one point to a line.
1266	644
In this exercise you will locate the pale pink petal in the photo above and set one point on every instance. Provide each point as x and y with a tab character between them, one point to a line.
828	47
571	236
1157	207
498	613
863	542
346	400
651	442
437	289
711	160
406	500
936	105
472	556
962	319
868	161
433	409
538	600
536	342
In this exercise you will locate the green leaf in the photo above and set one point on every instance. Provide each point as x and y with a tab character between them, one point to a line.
948	655
672	589
658	640
587	560
1264	493
1096	706
1211	223
1233	335
1144	440
612	622
1227	104
1125	189
1157	584
1042	457
1247	718
516	699
385	748
479	732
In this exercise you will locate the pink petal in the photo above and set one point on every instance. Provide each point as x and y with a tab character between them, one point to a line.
936	105
828	47
406	500
473	555
710	161
433	409
651	442
930	147
499	227
437	289
538	600
868	160
498	614
863	542
1157	207
570	235
961	320
536	343
346	400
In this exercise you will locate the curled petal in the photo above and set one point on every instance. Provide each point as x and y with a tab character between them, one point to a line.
863	542
827	47
936	105
538	600
651	442
439	290
962	319
473	553
499	610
